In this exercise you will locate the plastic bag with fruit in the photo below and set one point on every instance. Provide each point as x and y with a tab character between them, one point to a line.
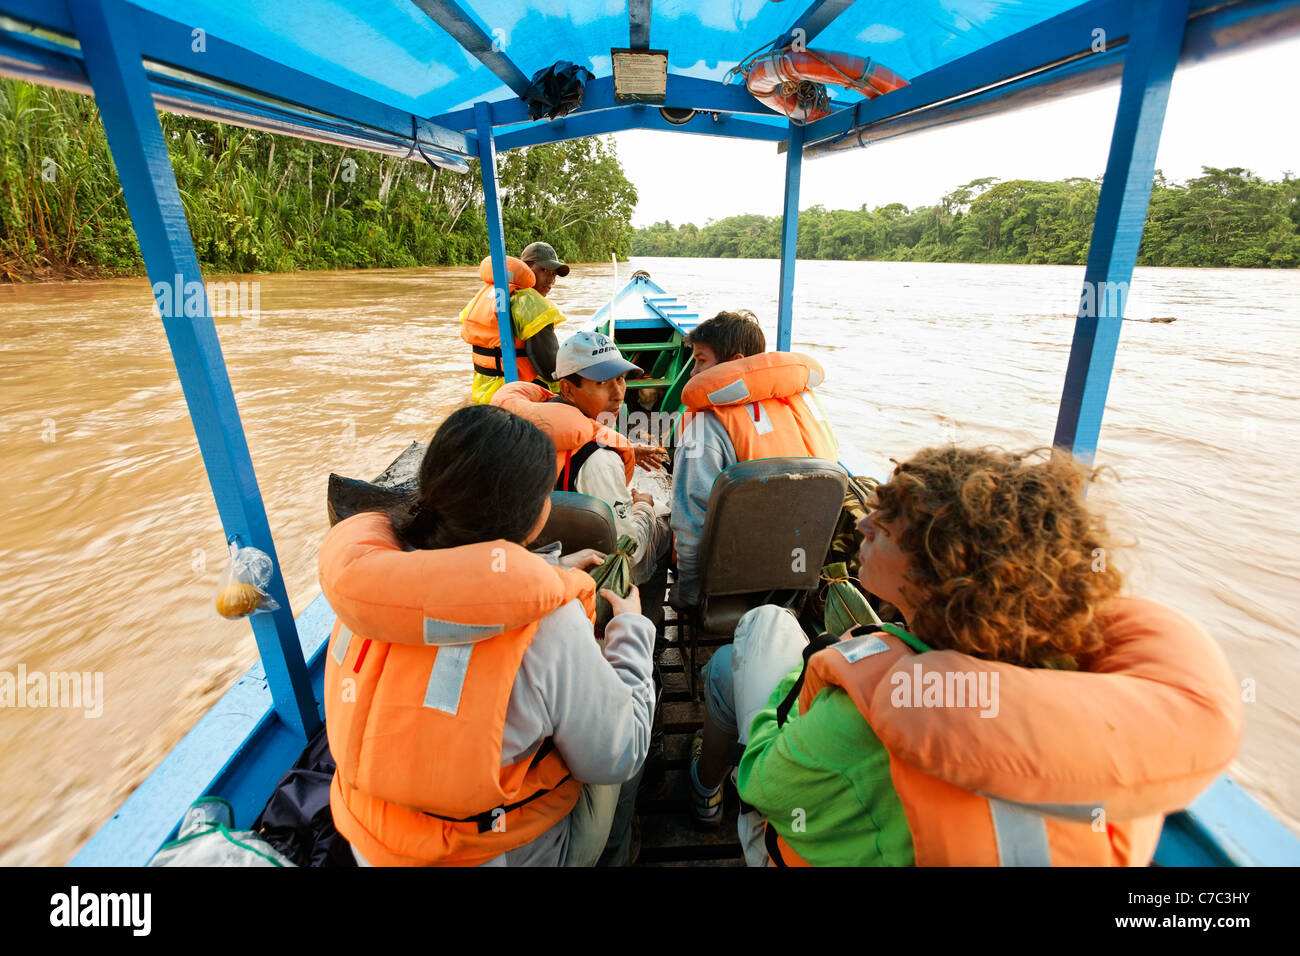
243	584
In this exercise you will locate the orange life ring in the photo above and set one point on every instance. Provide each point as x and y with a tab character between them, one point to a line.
793	82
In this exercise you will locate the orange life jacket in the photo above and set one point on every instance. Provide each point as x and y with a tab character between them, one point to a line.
418	678
766	403
1076	768
574	434
479	325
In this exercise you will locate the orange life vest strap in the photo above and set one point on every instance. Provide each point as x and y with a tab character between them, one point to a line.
820	642
773	842
778	851
496	369
488	818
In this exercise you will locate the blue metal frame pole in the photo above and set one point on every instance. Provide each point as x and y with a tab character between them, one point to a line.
638	117
487	158
116	73
789	237
1155	39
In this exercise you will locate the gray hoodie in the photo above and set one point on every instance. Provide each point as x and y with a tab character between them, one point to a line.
705	450
596	707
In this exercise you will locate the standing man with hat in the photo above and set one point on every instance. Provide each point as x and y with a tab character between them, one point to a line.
532	315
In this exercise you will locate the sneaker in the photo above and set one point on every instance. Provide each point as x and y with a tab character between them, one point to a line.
706	804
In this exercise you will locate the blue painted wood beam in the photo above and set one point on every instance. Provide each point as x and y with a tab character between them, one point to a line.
169	42
40	61
1211	31
682	92
112	59
1154	43
487	158
789	238
177	97
638	116
1065	36
464	29
56	67
1062	81
638	24
36	60
1226	826
819	15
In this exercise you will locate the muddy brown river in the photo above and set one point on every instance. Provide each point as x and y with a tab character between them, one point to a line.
112	548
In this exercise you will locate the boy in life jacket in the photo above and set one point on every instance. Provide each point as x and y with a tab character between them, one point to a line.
1029	714
742	403
469	708
534	318
591	457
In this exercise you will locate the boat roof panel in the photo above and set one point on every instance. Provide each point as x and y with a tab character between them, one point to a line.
401	53
389	51
369	72
705	40
397	53
916	37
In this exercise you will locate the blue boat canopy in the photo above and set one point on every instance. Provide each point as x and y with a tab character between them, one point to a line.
402	76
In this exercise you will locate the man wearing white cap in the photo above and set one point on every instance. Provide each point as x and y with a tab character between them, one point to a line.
592	377
593	459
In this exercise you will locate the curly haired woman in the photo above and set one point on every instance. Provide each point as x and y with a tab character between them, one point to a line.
1029	714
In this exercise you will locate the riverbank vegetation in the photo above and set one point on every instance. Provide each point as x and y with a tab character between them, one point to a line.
258	202
1225	217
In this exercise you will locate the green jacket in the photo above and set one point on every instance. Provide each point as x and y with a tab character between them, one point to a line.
823	782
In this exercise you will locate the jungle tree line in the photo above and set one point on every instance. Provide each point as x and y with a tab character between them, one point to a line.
260	202
1225	217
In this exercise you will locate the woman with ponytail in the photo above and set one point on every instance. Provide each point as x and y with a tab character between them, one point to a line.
472	715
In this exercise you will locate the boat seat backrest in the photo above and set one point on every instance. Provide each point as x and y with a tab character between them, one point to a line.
768	525
578	521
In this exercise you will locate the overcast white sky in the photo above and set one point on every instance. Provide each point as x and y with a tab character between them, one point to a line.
1233	111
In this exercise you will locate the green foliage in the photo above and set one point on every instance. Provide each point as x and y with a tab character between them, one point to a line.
257	202
572	193
1227	217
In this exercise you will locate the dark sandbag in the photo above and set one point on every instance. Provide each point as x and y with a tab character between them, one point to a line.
297	819
391	492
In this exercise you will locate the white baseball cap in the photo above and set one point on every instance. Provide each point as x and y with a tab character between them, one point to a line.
591	355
